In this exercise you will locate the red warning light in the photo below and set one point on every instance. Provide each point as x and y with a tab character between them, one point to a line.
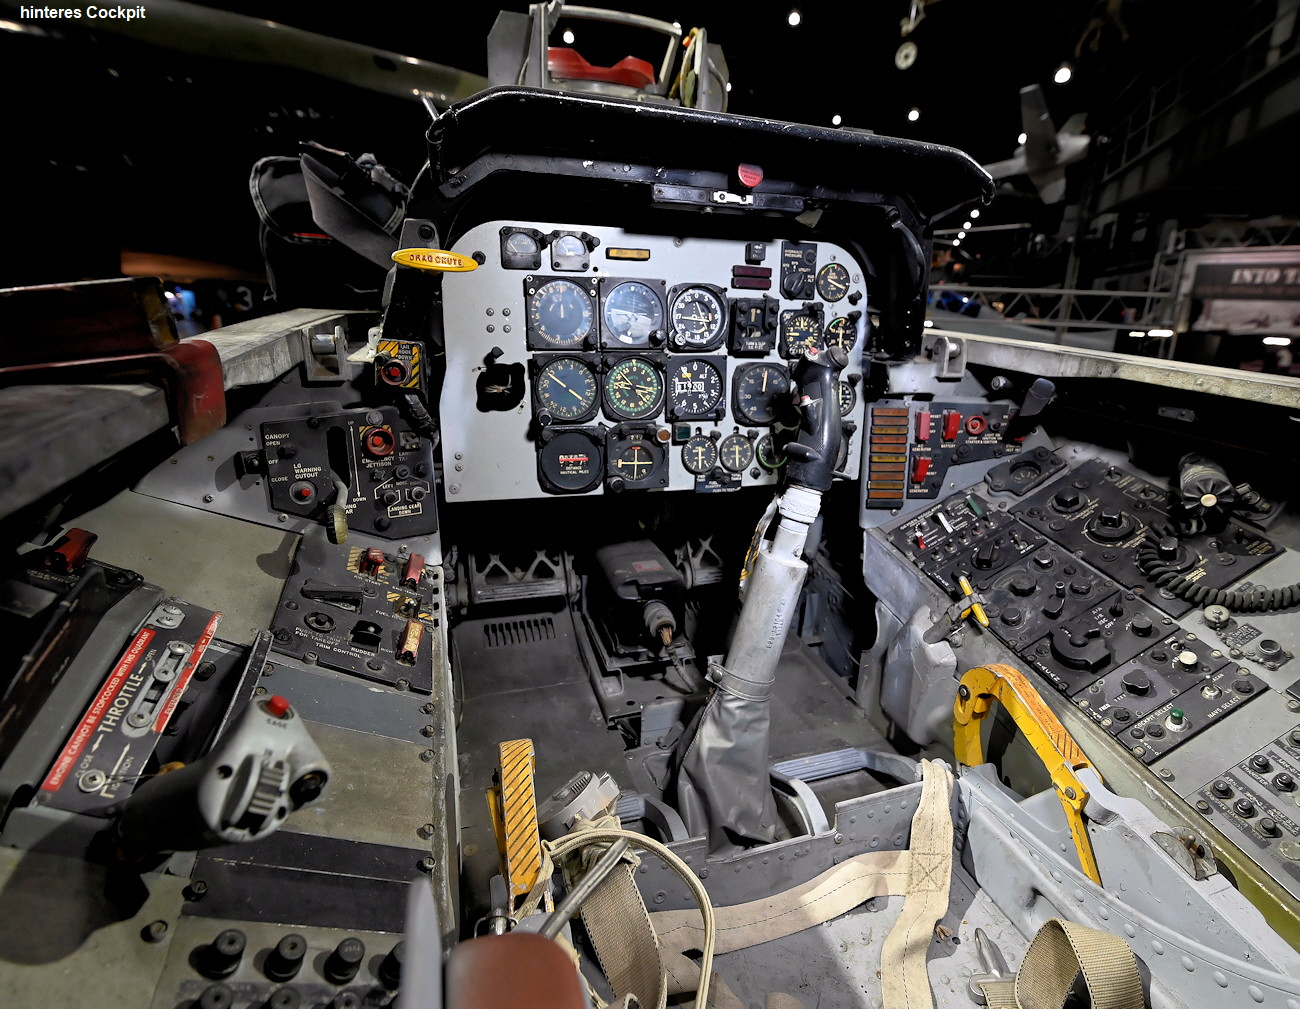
749	175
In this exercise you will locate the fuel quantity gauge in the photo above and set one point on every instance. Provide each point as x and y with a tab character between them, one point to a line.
700	454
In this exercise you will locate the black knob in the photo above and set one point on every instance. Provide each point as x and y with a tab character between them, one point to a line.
345	1000
1167	548
1222	789
287	997
986	556
1136	681
284	962
1244	807
1269	828
1121	714
1283	782
1111	518
1260	763
345	961
390	970
1044	559
1012	616
1066	499
391	497
1022	585
216	996
221	959
1080	587
1141	625
1295	737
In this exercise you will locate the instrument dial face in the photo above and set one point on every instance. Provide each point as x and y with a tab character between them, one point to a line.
566	389
634	463
761	392
568	245
736	452
698	317
634	389
632	311
847	396
842	332
521	244
694	388
833	282
559	314
700	454
800	331
769	454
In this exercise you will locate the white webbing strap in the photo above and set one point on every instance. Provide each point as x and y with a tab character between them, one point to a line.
1059	952
903	978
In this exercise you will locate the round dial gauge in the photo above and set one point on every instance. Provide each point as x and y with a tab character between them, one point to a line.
634	463
694	388
842	332
521	244
833	281
632	311
570	463
698	318
761	392
633	389
566	389
800	331
559	313
769	455
736	452
568	245
847	396
700	454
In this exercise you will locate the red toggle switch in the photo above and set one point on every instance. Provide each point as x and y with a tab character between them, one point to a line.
277	706
920	542
923	426
951	425
371	562
414	569
921	470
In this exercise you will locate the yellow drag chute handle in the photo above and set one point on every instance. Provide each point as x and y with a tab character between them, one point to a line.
1055	747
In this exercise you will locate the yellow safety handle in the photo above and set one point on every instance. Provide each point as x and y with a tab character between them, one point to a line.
1055	747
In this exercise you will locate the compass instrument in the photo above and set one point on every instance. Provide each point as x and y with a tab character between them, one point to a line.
560	313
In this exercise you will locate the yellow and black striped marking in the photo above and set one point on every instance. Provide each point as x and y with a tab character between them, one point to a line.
521	842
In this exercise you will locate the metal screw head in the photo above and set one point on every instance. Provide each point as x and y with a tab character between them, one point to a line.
427	709
1070	793
963	692
704	874
155	931
839	838
426	831
427	730
427	755
208	499
660	897
138	718
426	864
1165	773
1293	705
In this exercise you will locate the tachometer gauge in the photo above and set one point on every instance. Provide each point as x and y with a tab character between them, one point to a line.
700	454
736	452
833	282
762	392
699	319
842	332
694	389
801	329
769	455
559	315
566	390
634	389
847	396
630	313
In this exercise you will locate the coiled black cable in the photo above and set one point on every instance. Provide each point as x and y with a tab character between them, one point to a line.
1259	599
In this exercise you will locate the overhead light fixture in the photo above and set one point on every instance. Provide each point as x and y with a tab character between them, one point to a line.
1277	341
1160	333
1063	74
1137	332
929	324
728	85
568	37
913	115
793	18
836	120
974	213
956	241
1022	138
961	234
967	225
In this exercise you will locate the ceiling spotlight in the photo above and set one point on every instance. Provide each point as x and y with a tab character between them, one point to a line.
929	323
913	115
961	234
1063	73
956	241
967	225
1137	332
836	120
793	18
1160	332
1022	138
1277	341
728	85
568	37
974	213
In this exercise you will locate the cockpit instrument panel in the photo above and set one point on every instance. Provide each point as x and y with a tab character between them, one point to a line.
654	362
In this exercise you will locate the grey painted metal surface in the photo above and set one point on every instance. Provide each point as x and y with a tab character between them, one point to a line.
261	350
52	434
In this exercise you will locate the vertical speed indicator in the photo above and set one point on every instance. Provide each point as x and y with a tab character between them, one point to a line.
762	393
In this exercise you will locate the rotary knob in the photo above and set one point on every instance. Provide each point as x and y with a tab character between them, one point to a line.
1022	585
1187	661
345	961
1012	616
1283	782
1269	828
986	556
1259	762
1110	518
1244	807
1141	625
1167	548
1222	789
222	957
1136	681
1066	499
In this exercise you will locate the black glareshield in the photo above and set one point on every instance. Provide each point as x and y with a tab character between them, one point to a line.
812	455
